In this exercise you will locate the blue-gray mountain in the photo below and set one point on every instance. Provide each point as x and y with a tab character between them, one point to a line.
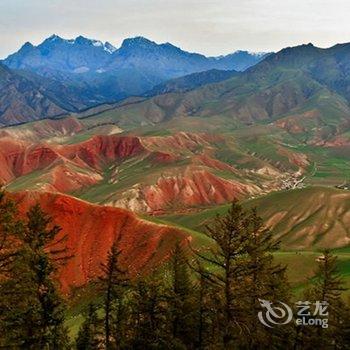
80	73
22	99
81	55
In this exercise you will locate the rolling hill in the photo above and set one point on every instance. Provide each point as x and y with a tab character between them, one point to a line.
172	166
88	232
295	89
141	173
303	219
191	81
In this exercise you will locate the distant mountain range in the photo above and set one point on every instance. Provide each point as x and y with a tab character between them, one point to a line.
56	55
80	73
304	89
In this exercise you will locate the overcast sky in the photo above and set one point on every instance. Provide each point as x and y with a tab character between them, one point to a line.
205	26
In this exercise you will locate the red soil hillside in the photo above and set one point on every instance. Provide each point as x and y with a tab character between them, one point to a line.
192	188
63	176
18	158
9	150
92	229
213	163
180	142
196	187
34	157
143	173
101	149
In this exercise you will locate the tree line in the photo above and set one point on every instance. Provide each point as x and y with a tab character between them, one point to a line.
206	298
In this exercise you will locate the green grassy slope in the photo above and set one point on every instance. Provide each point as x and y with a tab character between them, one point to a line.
302	219
321	207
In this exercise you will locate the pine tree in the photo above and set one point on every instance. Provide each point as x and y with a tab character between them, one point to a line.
114	281
264	280
152	322
327	287
227	258
123	317
10	230
181	298
208	320
88	336
242	268
35	311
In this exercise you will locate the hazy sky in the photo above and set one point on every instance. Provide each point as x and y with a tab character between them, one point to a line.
205	26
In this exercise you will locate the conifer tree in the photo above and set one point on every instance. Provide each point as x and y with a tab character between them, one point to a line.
89	336
9	239
181	297
34	309
10	229
121	321
326	287
241	266
208	320
264	280
152	322
227	258
114	280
